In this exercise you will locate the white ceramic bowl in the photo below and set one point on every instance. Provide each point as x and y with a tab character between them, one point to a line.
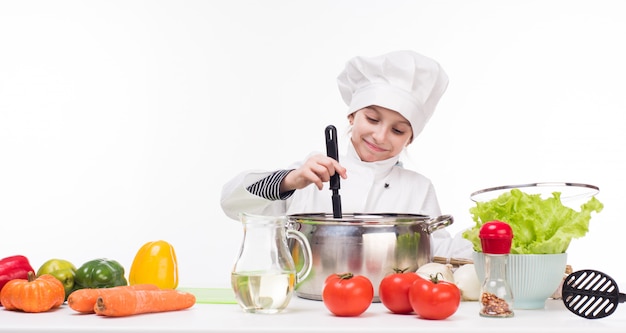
533	277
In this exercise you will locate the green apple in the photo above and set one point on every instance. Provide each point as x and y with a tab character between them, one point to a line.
62	270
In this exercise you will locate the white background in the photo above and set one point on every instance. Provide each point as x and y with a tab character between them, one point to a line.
121	120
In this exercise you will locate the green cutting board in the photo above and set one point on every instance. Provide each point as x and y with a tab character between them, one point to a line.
212	295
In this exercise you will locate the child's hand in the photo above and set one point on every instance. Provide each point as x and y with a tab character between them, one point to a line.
317	170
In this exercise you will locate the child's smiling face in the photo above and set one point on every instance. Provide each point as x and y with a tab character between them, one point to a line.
379	133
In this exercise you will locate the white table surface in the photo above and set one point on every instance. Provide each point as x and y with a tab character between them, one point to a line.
311	316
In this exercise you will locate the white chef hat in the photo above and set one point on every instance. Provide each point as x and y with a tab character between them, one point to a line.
404	81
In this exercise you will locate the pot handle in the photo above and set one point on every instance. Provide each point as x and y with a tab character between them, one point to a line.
439	222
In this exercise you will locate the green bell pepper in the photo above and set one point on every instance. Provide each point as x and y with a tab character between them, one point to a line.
100	273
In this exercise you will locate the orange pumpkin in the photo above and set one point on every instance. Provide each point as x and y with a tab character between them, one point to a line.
37	294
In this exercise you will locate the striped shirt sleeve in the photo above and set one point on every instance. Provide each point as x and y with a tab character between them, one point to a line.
269	187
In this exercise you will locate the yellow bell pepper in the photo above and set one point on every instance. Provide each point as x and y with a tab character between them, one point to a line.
155	263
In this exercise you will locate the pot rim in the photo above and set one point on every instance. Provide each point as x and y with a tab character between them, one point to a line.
359	219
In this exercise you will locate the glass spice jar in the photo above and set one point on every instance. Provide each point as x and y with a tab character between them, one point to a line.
496	298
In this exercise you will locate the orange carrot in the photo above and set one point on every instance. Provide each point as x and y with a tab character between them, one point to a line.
124	302
83	300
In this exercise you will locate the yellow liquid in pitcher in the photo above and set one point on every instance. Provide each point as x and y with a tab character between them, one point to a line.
263	292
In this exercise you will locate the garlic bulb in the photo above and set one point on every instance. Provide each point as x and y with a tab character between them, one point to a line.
466	278
431	269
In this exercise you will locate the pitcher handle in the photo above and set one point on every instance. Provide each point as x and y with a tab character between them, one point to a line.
439	222
306	248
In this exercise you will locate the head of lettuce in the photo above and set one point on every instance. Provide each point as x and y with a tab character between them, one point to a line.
540	226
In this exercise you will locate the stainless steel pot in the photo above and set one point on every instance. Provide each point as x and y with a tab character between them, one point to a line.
370	245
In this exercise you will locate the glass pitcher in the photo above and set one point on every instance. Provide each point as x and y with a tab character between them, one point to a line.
265	275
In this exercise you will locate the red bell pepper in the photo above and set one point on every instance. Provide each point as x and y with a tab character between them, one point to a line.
14	267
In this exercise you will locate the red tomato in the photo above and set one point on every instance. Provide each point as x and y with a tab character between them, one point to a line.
347	295
393	291
433	298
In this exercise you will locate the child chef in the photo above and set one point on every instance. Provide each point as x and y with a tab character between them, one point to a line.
390	99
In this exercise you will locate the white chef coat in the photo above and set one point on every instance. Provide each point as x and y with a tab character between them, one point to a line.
371	187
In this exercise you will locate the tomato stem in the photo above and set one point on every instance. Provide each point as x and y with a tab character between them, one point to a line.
400	270
434	278
345	276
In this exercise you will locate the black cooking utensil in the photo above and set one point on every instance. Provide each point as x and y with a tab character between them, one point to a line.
333	152
591	294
